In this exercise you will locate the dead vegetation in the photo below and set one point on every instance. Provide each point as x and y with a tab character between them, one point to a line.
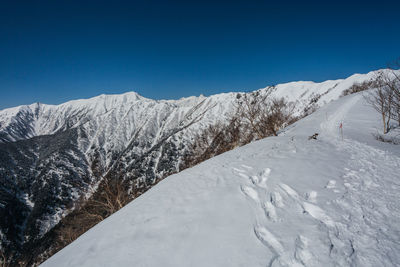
385	97
257	115
4	262
359	87
110	197
385	139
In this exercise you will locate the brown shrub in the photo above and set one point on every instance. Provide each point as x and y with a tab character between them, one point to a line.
359	87
257	116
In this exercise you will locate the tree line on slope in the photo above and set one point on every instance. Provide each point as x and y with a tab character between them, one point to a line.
382	92
385	97
257	115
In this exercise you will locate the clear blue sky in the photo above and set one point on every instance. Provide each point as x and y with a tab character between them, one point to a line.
55	51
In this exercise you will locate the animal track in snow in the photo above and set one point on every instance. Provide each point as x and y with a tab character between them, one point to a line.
250	192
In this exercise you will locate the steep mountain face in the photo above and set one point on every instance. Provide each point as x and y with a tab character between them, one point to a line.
53	156
41	178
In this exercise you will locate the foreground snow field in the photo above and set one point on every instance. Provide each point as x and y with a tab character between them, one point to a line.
281	201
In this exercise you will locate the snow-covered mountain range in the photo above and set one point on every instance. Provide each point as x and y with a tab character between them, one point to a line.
52	156
281	201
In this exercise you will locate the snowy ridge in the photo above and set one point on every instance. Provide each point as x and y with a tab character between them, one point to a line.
41	119
281	201
53	155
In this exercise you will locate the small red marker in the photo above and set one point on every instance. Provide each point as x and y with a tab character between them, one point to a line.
341	129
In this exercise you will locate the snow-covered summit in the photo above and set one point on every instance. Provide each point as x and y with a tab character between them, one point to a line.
281	201
27	121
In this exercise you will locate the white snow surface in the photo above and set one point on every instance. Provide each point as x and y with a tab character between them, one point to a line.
281	201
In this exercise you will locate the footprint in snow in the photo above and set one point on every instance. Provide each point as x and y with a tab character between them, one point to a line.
247	167
270	211
269	240
318	213
243	175
254	179
264	178
250	192
276	199
312	196
238	170
302	254
290	191
331	184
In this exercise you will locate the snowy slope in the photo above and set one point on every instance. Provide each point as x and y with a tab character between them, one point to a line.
281	201
52	156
